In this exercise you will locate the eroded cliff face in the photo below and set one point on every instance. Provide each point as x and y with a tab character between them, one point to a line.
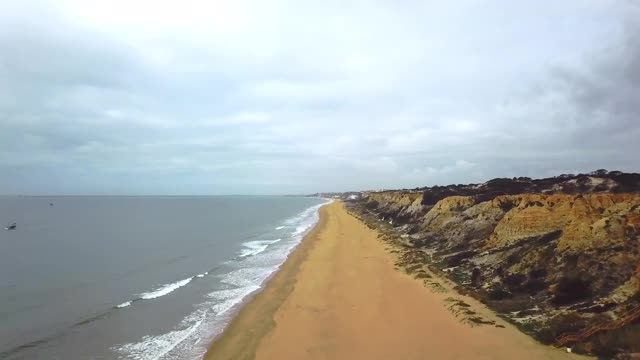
404	207
603	226
535	257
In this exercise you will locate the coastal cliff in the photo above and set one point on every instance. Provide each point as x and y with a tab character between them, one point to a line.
553	256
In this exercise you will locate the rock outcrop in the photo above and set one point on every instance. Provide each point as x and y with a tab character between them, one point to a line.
552	255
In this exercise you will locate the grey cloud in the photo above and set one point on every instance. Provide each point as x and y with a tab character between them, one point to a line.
440	94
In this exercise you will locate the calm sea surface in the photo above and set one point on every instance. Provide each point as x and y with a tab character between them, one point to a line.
135	277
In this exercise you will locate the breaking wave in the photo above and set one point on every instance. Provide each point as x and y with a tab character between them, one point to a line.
165	289
256	247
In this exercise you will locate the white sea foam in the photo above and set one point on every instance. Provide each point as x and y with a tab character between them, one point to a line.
207	321
280	227
248	276
165	289
227	299
256	247
302	228
124	304
155	347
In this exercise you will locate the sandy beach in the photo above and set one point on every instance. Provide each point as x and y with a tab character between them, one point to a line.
338	296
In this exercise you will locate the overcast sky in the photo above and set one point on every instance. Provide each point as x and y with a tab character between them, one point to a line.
270	96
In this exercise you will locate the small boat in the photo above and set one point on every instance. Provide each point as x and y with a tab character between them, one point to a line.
10	226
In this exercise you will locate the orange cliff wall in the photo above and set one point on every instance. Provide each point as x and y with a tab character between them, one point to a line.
586	223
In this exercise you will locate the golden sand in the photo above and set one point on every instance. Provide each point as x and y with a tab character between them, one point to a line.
338	296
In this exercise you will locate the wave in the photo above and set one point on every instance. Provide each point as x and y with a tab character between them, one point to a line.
249	276
186	341
155	347
256	247
252	248
161	291
227	299
123	305
165	289
301	229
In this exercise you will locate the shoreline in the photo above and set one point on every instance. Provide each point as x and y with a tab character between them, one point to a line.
338	296
230	343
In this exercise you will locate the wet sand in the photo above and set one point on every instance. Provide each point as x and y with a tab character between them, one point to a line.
338	296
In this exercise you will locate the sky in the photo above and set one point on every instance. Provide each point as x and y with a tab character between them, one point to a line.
293	96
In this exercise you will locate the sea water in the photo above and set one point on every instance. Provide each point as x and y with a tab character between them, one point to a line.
136	277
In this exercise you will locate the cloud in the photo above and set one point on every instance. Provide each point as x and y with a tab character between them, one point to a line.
279	96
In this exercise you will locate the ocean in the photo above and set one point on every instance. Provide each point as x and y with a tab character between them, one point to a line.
136	277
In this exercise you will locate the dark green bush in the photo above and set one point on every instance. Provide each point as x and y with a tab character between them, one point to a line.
498	294
570	290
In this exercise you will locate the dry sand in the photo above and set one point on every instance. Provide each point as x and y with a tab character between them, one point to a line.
338	296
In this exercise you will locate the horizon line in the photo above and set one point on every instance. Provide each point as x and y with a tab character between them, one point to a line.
153	195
